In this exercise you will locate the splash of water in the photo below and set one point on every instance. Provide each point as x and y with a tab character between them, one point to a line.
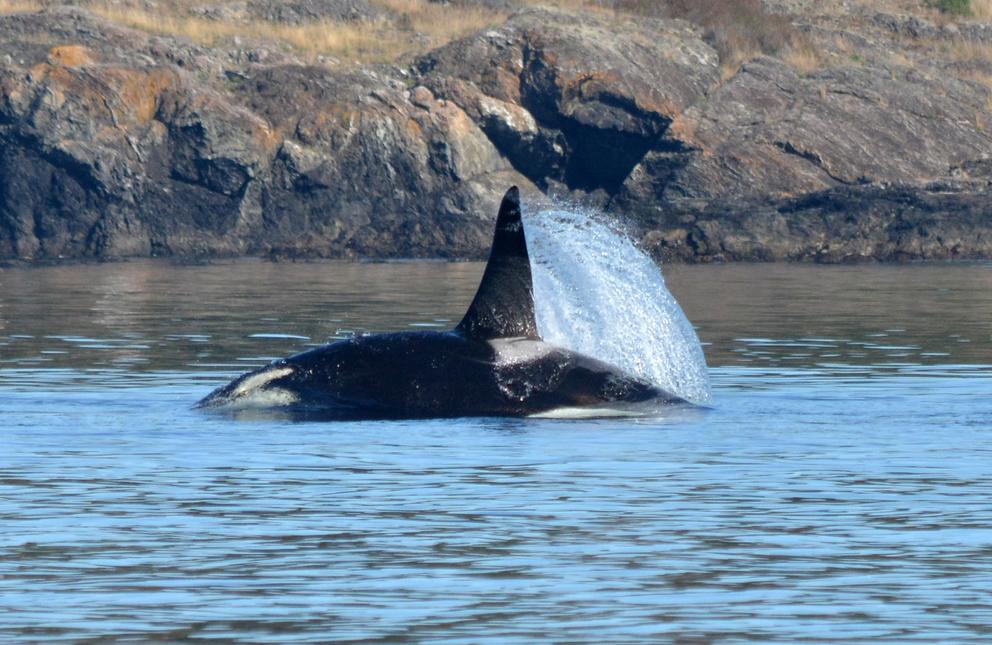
598	294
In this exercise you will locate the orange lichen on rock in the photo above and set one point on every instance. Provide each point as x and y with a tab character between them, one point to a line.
682	129
665	107
455	119
71	56
140	91
413	129
266	136
509	82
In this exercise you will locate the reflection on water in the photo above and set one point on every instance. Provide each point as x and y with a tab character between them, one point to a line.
837	490
867	315
155	316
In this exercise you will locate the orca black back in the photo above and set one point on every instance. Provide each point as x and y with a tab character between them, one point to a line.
492	364
503	306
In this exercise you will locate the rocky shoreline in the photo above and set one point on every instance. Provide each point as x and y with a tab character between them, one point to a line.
117	143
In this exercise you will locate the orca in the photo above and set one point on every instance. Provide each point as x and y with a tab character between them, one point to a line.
493	364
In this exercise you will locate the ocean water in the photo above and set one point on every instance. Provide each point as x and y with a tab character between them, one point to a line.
836	486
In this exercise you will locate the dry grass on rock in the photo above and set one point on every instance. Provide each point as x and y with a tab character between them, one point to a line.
419	25
18	6
738	29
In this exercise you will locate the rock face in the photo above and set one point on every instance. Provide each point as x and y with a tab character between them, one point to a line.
115	143
103	157
833	127
567	100
839	165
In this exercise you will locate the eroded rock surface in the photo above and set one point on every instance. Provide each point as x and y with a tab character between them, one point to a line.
569	99
110	155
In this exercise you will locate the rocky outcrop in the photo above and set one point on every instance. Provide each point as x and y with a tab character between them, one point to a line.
568	100
106	158
115	143
838	165
841	126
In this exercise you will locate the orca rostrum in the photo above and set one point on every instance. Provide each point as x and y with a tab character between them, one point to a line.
493	363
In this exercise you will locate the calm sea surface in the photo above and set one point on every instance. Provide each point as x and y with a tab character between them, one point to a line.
839	488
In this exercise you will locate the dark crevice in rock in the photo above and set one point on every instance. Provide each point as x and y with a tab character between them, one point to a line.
656	179
601	159
59	160
810	156
537	157
44	208
539	92
583	155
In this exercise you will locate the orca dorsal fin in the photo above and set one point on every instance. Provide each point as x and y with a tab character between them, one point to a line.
504	304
